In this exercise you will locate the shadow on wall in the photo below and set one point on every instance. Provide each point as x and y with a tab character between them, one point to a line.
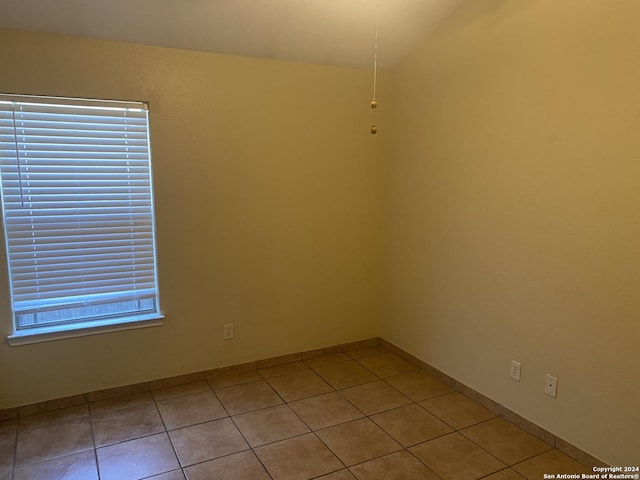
484	12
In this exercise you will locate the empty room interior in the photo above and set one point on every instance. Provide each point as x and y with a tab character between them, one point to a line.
492	218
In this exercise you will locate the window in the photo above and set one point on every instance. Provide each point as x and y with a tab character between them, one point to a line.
77	207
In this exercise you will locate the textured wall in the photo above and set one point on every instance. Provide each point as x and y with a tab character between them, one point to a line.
267	191
514	201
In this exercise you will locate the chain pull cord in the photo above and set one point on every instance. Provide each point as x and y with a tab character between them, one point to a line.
374	102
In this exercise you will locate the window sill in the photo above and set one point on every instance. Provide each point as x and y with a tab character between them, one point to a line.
59	332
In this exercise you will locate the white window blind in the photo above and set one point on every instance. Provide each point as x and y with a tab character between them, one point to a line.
78	210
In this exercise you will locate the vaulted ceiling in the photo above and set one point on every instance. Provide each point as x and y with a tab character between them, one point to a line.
334	32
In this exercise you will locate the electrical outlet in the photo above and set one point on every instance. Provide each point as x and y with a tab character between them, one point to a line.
551	385
227	333
516	370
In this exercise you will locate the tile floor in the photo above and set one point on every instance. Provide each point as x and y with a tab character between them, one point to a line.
363	415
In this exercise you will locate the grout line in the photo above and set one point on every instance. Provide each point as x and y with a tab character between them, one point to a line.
261	463
483	448
501	470
166	432
427	466
15	450
93	440
332	452
250	447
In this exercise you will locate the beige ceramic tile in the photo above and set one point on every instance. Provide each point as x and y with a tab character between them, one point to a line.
369	342
7	414
247	397
235	379
117	403
269	425
53	440
367	351
329	359
174	475
190	409
325	410
320	352
180	390
528	426
457	410
65	415
411	425
454	457
118	392
397	466
282	369
386	365
506	474
8	431
80	466
552	462
358	441
418	385
298	458
207	441
477	397
580	455
239	466
505	441
275	361
51	405
372	398
345	374
137	459
126	424
339	475
177	380
295	386
234	370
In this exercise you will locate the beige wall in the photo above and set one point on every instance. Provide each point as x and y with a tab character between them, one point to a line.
268	194
514	225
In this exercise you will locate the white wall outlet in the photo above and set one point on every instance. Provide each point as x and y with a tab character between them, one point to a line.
515	371
227	333
551	385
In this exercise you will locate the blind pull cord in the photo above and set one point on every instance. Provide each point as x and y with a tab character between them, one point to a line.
15	140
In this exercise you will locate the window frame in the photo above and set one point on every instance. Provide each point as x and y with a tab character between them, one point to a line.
93	324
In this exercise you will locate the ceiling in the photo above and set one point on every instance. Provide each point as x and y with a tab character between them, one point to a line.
334	32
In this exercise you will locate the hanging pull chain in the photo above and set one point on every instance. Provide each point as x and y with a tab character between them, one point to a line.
374	102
